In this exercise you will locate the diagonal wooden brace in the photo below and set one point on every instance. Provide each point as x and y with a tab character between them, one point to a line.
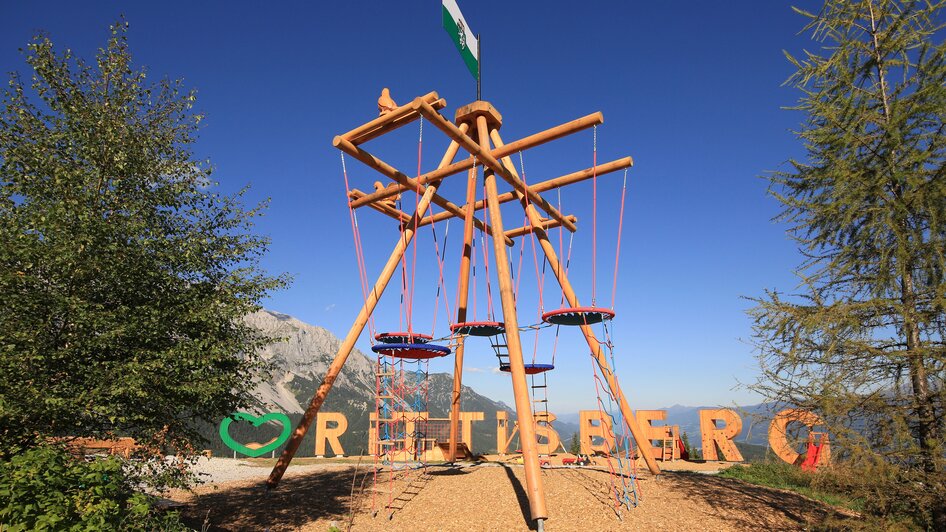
493	164
524	143
408	182
543	186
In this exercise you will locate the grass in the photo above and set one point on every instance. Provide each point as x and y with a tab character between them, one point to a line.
789	477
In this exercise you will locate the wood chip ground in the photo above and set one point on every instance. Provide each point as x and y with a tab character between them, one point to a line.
492	497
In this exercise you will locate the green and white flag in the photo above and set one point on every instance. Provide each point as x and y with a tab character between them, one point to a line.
462	36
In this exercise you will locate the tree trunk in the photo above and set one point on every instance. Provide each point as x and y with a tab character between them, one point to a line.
926	420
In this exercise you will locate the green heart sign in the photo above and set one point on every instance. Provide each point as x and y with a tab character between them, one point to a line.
256	421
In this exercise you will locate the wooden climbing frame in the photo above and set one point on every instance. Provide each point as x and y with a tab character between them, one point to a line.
475	129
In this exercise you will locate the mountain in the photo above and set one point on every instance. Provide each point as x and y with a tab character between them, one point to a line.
299	359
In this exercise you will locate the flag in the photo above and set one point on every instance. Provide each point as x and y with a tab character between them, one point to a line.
462	36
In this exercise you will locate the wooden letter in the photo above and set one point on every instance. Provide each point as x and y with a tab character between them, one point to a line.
593	424
503	437
779	440
544	430
656	434
721	437
325	434
466	429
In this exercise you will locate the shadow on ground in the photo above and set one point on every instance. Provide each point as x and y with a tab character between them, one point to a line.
754	502
297	501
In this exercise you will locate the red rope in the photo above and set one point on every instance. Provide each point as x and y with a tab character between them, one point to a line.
410	304
522	247
540	279
359	251
617	252
594	218
489	291
442	287
473	272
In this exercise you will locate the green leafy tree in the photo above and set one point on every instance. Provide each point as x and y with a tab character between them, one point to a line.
862	343
124	276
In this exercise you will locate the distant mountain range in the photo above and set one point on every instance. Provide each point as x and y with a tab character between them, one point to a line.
298	361
301	356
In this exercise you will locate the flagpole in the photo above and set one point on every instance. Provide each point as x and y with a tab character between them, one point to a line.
479	52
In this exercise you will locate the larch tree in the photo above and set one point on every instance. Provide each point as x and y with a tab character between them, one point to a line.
124	274
862	342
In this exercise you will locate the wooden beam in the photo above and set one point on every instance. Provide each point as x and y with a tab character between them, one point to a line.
492	163
527	439
544	186
520	145
596	351
344	350
383	208
546	223
463	298
408	182
371	300
398	117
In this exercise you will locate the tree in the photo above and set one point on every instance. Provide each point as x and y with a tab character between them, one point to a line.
574	446
692	452
125	277
863	342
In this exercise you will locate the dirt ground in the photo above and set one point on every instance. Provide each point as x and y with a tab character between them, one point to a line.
491	496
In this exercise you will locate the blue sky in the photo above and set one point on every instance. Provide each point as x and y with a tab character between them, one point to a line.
691	90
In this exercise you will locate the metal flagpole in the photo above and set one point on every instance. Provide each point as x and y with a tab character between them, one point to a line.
479	67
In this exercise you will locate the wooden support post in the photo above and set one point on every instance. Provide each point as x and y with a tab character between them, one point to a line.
371	301
590	338
522	144
462	299
530	452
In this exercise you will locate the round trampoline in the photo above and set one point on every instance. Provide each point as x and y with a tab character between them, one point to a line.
415	351
403	338
478	328
578	316
531	369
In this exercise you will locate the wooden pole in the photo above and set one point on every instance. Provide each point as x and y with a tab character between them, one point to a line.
530	451
520	145
490	162
462	299
590	338
545	224
392	120
371	301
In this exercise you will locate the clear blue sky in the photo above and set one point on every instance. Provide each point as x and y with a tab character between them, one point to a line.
691	90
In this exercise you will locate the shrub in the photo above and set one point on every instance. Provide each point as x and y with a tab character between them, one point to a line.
46	488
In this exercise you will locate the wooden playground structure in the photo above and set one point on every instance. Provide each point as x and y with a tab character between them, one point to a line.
475	129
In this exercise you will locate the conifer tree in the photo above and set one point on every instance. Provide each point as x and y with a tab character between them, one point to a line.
862	342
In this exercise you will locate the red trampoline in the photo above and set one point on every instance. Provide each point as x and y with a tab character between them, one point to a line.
478	328
416	351
578	316
403	338
531	369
